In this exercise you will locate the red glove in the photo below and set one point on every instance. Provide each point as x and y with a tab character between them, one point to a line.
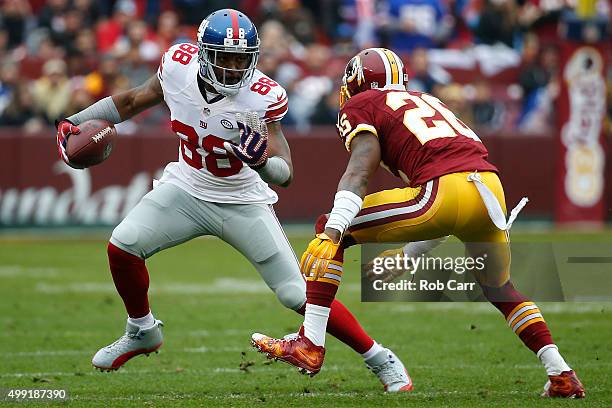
64	129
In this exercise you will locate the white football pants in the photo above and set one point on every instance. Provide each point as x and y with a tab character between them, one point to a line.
168	216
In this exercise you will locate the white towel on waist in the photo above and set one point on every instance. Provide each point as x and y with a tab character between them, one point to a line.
494	207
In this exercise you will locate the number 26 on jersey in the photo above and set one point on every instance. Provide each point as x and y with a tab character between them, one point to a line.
427	118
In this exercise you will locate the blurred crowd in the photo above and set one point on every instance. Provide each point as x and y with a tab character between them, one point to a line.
59	56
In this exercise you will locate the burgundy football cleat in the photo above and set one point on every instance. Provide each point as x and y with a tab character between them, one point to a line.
565	385
296	350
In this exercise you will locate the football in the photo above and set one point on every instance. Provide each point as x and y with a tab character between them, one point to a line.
93	144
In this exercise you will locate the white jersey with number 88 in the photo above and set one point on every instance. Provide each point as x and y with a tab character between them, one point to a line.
204	168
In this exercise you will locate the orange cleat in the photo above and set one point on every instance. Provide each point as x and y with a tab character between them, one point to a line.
564	385
296	350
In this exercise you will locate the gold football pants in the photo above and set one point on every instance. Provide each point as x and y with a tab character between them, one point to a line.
448	205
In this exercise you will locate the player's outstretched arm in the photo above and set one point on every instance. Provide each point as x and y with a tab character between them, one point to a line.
365	158
124	105
136	100
114	109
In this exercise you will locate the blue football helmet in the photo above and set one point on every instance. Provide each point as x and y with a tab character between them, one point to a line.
224	32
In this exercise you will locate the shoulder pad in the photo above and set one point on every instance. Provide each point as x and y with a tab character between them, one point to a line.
270	95
174	65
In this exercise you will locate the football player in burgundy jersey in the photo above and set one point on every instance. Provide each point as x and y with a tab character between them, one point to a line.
452	190
227	115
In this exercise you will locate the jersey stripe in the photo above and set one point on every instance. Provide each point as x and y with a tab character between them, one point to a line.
279	103
274	119
394	66
235	25
276	112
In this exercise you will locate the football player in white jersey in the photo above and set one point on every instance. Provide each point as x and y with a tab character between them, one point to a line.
227	115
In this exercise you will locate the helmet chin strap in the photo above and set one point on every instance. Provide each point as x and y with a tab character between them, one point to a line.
345	95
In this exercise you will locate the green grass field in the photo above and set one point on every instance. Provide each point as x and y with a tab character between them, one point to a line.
58	306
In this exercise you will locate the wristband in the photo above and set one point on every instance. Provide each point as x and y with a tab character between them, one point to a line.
275	171
346	206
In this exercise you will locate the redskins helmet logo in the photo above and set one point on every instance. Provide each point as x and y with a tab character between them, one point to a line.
354	70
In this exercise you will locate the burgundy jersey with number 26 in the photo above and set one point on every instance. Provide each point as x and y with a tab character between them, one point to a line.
420	138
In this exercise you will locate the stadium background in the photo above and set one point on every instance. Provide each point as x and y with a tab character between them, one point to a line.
497	64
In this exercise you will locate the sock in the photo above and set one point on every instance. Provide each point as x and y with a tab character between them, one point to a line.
131	280
523	317
345	327
373	356
143	322
552	360
417	248
315	323
321	293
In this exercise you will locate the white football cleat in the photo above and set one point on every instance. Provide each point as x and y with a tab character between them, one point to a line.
392	373
135	341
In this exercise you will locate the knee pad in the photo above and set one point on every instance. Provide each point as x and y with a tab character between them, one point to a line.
125	237
262	244
292	294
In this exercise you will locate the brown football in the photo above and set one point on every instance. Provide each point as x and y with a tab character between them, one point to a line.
93	144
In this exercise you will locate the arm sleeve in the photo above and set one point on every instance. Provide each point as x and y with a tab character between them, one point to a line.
105	109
